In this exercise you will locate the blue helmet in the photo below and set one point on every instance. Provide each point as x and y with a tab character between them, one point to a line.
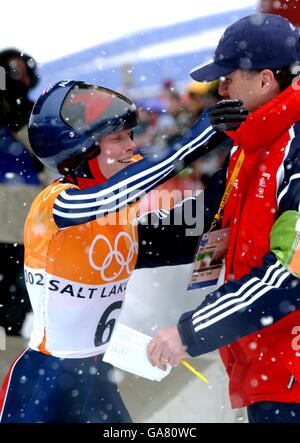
69	120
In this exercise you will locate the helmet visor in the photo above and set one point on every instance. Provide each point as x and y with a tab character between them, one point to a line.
95	111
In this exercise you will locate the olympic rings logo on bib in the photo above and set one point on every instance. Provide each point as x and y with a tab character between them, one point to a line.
121	262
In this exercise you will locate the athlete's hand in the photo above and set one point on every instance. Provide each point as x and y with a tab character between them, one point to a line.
227	115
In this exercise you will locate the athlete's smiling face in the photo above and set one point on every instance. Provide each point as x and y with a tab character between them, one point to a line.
116	152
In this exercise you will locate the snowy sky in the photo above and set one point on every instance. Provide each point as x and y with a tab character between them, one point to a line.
52	29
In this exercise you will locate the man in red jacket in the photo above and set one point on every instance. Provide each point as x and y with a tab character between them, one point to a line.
254	317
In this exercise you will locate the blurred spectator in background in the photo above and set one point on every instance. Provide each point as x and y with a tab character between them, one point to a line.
19	184
176	108
147	131
166	88
201	95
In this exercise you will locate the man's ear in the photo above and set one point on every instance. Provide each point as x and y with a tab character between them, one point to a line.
267	78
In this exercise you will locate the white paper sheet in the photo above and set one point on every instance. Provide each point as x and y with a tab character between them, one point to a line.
127	350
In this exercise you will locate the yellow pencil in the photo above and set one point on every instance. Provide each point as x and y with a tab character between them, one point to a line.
193	370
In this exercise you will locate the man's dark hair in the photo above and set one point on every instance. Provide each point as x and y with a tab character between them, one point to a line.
285	76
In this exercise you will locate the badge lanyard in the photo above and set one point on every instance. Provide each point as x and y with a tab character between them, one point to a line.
228	190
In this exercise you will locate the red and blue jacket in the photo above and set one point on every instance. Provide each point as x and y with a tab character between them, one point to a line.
254	318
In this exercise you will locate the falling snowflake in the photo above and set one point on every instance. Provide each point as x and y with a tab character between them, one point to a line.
266	321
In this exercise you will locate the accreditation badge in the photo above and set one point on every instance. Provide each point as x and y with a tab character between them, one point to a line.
209	259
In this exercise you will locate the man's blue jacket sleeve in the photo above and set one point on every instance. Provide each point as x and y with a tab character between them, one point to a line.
240	308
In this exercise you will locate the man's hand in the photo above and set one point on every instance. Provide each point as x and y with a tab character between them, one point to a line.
227	115
166	347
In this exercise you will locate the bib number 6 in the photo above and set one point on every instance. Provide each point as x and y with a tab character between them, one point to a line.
106	325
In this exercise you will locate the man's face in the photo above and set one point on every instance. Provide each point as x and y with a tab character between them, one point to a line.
116	152
245	86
